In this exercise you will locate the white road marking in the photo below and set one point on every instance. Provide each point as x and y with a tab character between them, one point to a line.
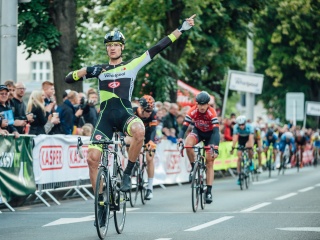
306	189
265	181
62	221
163	239
256	207
285	196
318	185
208	224
301	229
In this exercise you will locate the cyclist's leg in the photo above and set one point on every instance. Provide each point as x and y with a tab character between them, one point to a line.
93	160
150	172
191	140
133	127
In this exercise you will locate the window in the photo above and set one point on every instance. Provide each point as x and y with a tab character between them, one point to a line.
41	71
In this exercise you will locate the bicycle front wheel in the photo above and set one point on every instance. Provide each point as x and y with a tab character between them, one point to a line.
101	203
143	184
195	187
120	202
135	183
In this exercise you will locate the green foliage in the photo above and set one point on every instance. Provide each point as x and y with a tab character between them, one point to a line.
36	29
286	34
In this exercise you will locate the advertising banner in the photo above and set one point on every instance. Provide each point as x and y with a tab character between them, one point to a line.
16	170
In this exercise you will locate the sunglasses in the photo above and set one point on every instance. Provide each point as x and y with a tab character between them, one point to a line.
148	111
113	44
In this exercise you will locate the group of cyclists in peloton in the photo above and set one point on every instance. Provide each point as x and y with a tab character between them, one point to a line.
247	135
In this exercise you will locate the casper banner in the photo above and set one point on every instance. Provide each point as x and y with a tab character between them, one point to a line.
55	159
16	173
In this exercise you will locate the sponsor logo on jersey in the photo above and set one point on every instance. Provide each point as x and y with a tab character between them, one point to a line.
51	157
111	75
98	137
114	84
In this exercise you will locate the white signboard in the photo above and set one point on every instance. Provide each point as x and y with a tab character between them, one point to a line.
295	106
246	82
313	108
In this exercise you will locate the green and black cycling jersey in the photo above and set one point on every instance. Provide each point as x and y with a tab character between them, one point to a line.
115	90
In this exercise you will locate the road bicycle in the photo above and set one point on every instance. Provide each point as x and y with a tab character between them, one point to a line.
270	160
139	176
245	172
109	200
199	173
255	174
285	160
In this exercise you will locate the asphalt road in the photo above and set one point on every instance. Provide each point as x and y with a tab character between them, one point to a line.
281	207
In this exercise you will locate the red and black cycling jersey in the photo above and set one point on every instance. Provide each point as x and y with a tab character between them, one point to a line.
205	122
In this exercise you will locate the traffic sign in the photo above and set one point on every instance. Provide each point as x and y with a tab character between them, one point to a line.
313	108
295	106
246	82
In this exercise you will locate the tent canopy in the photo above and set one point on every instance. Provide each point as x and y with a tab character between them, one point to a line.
186	94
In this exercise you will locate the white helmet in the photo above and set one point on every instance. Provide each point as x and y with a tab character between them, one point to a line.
288	135
241	119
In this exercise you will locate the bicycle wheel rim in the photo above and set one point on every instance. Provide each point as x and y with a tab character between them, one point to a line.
102	183
134	190
121	201
195	187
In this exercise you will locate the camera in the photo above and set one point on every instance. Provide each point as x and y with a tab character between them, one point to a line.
83	103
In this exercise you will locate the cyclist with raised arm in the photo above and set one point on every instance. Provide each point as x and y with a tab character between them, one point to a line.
286	138
243	134
116	83
148	116
206	129
271	138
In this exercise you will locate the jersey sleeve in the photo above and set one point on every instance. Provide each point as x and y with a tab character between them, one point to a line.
161	45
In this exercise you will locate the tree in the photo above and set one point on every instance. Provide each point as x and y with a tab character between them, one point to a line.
51	25
286	34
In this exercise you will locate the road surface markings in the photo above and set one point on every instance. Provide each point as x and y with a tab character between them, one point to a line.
285	196
306	189
163	239
301	229
318	185
208	224
250	209
265	181
62	221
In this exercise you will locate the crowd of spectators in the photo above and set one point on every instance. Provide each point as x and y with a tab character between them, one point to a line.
78	114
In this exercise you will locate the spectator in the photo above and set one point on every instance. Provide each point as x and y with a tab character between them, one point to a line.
158	105
49	101
6	112
52	123
12	88
90	114
36	107
135	102
170	125
19	108
87	129
68	113
227	130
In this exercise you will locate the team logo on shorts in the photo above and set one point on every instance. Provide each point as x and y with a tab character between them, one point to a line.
114	84
98	137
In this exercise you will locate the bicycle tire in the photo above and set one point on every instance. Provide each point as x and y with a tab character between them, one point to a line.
143	184
195	187
102	183
315	158
203	182
135	183
120	199
298	161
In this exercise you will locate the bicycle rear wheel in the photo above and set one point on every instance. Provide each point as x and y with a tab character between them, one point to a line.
135	183
203	187
101	203
120	200
195	187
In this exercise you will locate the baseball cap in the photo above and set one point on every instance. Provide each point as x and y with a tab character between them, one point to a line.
4	87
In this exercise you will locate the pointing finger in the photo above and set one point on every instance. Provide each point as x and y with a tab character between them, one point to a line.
193	16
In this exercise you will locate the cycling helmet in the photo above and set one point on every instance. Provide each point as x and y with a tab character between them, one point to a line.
114	36
241	120
147	102
270	133
203	97
288	135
